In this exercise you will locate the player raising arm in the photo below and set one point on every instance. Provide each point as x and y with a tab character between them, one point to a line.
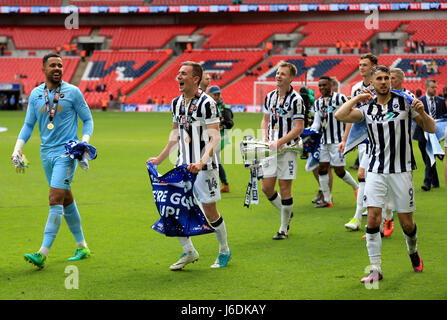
391	162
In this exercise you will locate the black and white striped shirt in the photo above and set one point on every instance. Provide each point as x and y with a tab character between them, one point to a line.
194	138
358	88
282	114
389	132
330	128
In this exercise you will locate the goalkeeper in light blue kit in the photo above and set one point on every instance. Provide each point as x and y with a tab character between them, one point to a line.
56	105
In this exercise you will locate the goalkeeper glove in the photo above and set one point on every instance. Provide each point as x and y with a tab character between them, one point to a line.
20	162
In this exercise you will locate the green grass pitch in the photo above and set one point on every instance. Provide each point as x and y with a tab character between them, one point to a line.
320	260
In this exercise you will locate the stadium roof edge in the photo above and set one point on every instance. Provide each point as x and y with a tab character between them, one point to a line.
335	7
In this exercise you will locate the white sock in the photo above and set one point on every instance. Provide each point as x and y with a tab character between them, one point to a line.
187	245
411	241
324	186
44	251
286	212
221	235
82	244
359	209
350	180
276	201
374	247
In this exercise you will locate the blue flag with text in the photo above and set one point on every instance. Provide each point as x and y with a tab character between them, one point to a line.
180	213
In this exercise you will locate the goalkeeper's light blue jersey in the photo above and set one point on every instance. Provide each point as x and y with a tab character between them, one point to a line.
71	104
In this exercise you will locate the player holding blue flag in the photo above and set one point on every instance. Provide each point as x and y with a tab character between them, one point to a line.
56	105
180	214
195	130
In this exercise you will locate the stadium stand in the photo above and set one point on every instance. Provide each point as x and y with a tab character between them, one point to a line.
29	71
178	2
311	67
107	3
226	65
326	33
188	2
249	35
143	37
30	2
266	2
118	70
235	54
27	38
423	30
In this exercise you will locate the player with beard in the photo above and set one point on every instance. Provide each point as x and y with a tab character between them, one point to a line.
388	119
56	105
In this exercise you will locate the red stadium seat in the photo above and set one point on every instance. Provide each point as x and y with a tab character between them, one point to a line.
26	38
424	30
110	69
28	71
144	37
249	35
326	33
242	91
226	65
81	3
30	2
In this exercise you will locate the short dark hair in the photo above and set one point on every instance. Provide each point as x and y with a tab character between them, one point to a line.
380	68
374	60
50	55
326	78
428	81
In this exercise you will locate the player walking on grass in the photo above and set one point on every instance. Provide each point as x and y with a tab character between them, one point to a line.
196	132
56	105
282	124
388	118
333	140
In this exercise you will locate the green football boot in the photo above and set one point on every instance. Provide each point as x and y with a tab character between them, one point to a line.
80	253
37	259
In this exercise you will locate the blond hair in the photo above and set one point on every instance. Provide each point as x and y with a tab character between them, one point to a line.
399	72
291	66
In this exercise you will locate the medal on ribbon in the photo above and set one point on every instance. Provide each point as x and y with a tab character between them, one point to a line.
52	110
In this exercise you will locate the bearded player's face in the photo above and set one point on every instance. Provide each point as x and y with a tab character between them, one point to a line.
381	82
53	70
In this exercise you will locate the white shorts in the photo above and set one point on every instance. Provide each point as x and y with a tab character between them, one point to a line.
282	166
329	153
395	190
206	187
363	156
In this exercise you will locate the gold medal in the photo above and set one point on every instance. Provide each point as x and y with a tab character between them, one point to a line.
50	126
187	139
276	127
